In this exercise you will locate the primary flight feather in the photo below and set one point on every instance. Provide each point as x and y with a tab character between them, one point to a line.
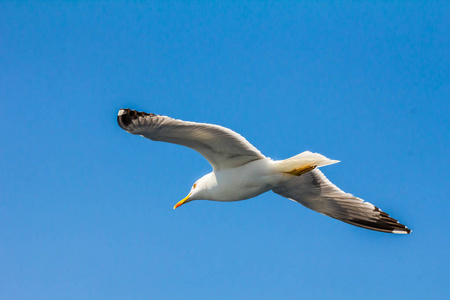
240	171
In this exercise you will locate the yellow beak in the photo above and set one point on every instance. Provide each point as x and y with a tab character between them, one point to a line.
182	201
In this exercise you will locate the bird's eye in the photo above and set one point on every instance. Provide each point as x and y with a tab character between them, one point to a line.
194	186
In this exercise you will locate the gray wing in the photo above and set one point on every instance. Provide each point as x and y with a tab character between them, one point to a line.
316	192
222	147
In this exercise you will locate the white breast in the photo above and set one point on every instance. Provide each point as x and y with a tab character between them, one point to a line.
245	182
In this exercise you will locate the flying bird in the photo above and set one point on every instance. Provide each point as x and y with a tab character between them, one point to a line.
240	171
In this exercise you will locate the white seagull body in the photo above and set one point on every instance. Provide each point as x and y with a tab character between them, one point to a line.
240	171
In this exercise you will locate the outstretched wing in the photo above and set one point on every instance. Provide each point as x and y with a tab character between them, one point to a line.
222	147
316	192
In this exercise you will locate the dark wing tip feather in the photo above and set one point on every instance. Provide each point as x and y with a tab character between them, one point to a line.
383	223
125	117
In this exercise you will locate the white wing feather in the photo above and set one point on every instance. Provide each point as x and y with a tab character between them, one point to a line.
222	147
316	192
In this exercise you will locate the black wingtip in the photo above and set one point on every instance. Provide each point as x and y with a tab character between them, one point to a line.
383	223
396	226
125	117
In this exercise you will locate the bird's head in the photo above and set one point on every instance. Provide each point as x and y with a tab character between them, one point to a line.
200	190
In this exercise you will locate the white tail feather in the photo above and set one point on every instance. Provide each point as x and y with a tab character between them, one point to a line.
303	160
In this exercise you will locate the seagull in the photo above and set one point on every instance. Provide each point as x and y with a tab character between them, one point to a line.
240	171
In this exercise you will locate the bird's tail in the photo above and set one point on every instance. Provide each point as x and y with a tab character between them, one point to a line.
302	163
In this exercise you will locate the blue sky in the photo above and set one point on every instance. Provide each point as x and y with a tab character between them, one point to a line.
86	209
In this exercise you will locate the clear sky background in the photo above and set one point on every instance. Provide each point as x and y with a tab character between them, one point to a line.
86	208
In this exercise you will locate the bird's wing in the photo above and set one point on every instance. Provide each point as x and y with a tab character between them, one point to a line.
316	192
222	147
